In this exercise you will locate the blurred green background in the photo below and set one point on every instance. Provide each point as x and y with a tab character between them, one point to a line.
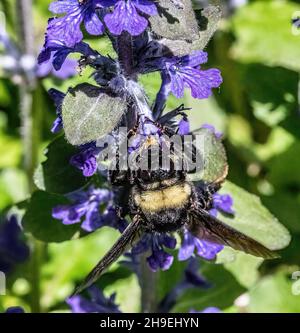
257	108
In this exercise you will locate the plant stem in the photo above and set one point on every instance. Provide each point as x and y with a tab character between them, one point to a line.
30	110
125	55
148	282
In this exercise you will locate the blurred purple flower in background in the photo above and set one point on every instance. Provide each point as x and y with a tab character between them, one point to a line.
94	207
15	309
67	70
98	303
86	160
13	249
207	310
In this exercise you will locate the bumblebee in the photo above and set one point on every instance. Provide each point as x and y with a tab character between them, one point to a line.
165	200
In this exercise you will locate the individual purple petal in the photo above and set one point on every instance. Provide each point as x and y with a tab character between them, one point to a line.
201	82
194	59
167	241
93	25
204	249
177	84
187	247
57	125
69	214
213	212
146	6
86	161
207	250
44	69
66	30
67	70
184	126
125	18
223	202
160	260
62	6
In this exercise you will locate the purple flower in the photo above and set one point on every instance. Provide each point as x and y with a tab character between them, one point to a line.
68	28
58	98
204	249
67	70
223	203
13	249
213	130
57	51
207	310
86	205
159	259
98	303
86	161
185	72
146	128
15	309
126	16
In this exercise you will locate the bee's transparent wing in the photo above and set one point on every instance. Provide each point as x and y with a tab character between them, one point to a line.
204	226
122	244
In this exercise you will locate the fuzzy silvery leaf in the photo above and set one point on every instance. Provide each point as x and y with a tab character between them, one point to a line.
182	30
174	22
213	157
89	113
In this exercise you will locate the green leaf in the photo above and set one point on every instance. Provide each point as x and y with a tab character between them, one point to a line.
274	294
89	113
214	160
284	168
243	266
254	220
55	174
225	289
264	34
39	222
181	30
